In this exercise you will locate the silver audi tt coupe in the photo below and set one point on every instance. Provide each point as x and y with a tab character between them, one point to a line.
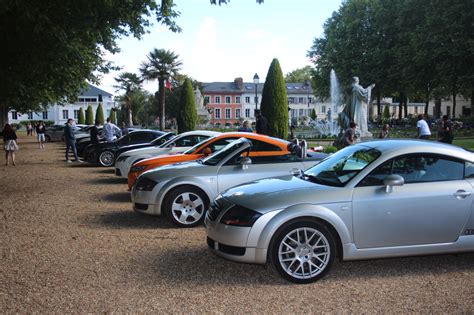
183	191
370	200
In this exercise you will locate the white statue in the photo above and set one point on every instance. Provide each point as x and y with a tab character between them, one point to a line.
359	105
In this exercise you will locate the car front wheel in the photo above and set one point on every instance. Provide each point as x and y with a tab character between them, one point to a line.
303	251
106	158
186	206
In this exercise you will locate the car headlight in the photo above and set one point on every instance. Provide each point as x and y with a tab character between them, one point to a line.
240	216
137	168
145	184
122	158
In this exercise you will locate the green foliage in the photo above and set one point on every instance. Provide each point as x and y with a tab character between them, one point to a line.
161	65
131	84
99	114
82	117
313	114
187	118
89	116
274	103
113	116
61	44
299	75
330	149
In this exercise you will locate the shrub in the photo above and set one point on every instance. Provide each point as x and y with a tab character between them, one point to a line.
330	149
89	116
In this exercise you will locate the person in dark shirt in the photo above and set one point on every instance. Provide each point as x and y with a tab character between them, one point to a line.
10	144
349	134
95	134
40	130
70	140
261	125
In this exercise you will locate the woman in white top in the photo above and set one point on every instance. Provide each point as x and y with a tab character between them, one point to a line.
422	128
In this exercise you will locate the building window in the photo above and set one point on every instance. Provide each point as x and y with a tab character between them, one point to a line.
14	115
30	115
227	99
45	115
291	100
237	99
416	109
76	114
247	99
301	112
310	100
301	100
323	109
218	99
237	113
217	113
207	99
227	113
247	112
65	114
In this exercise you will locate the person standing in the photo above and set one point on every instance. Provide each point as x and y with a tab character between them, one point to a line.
109	131
95	133
422	128
245	127
124	128
349	134
70	140
29	129
261	124
10	144
446	130
40	133
384	132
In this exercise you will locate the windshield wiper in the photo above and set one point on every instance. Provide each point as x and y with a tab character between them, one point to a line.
314	179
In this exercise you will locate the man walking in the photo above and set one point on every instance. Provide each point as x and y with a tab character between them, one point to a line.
422	128
70	140
109	131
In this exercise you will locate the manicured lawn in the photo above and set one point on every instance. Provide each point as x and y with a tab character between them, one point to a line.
465	143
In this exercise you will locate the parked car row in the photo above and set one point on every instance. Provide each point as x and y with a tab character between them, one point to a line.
270	201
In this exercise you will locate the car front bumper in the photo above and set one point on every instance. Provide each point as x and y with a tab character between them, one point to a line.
145	201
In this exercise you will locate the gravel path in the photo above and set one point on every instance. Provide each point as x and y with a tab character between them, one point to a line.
71	243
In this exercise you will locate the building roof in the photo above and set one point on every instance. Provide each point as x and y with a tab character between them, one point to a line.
249	87
94	91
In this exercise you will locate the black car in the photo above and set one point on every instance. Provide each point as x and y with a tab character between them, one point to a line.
157	142
105	152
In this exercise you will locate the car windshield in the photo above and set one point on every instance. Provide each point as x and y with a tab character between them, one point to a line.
167	143
343	165
191	151
215	158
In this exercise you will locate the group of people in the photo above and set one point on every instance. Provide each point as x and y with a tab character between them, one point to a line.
261	124
445	129
40	129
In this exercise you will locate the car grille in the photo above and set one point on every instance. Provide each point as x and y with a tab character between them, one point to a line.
141	206
117	172
226	249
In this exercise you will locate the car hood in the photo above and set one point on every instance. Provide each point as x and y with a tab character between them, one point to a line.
270	194
188	168
148	150
167	159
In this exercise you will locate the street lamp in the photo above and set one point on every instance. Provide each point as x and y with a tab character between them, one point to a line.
255	80
307	85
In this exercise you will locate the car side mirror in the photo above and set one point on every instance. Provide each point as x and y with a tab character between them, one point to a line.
393	180
245	162
206	151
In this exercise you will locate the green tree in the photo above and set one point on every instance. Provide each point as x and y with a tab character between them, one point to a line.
82	119
89	116
99	114
68	39
187	118
113	116
299	75
274	103
313	114
386	114
130	83
161	65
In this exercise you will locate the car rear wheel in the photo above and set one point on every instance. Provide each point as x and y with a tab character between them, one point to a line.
186	206
303	251
106	158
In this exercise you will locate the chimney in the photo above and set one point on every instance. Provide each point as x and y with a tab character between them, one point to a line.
239	83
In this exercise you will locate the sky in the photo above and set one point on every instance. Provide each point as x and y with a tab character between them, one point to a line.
221	43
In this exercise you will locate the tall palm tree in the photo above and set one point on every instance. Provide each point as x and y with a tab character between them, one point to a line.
161	65
130	83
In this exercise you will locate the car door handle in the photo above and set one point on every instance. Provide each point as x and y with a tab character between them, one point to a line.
462	194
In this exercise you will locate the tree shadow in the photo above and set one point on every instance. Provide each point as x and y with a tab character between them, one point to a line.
105	170
129	220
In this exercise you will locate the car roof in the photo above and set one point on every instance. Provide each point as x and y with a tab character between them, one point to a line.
407	146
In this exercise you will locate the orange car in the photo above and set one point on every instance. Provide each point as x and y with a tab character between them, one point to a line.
262	145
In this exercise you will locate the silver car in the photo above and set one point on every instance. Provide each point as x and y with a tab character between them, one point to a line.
371	200
183	191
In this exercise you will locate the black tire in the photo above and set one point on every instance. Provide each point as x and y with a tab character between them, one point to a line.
106	158
293	254
186	206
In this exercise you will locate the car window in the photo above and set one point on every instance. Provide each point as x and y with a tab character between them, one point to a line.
124	140
188	141
258	145
469	170
417	168
220	144
231	146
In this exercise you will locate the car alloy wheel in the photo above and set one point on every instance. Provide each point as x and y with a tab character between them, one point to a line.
106	158
186	206
303	251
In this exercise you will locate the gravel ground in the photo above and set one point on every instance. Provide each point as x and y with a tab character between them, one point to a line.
71	243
